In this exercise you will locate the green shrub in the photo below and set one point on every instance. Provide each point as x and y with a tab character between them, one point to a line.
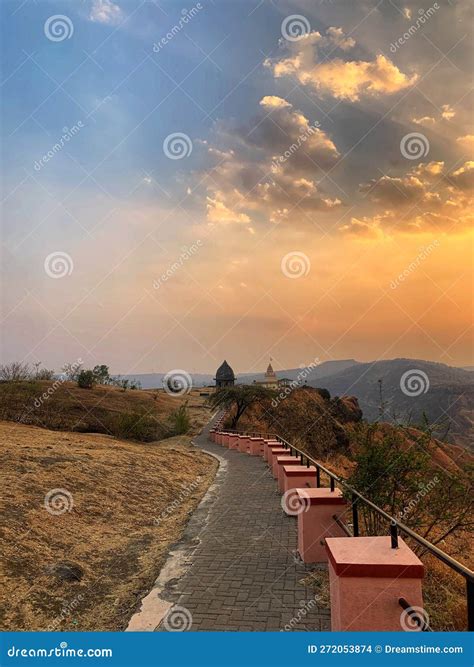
86	379
135	426
179	420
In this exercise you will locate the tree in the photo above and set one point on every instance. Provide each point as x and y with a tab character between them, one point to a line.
86	379
101	374
17	371
395	470
42	373
72	371
239	399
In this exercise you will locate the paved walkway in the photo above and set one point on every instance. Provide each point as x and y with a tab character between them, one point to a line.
245	573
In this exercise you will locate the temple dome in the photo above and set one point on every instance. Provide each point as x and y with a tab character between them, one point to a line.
225	373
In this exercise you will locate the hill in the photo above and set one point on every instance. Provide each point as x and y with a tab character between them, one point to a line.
133	414
308	374
411	388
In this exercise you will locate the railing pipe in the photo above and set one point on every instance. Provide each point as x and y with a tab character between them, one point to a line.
342	525
355	515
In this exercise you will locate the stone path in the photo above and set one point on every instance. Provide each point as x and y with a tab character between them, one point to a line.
245	573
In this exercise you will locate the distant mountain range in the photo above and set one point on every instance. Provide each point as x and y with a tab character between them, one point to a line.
154	380
410	389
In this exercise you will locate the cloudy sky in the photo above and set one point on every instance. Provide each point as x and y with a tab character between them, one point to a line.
238	179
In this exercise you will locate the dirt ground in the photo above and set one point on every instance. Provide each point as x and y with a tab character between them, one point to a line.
82	557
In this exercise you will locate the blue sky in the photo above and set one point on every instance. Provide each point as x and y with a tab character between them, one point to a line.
242	93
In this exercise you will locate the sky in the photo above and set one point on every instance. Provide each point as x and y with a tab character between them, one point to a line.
188	182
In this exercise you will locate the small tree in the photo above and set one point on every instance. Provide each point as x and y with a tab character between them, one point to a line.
72	371
17	371
239	399
86	379
395	471
101	374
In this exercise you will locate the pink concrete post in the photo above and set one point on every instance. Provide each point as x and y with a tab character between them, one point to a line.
244	444
218	437
226	439
274	454
296	477
279	462
367	578
268	446
256	446
234	441
315	521
212	434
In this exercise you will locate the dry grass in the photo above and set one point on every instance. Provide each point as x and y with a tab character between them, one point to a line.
110	535
318	581
134	414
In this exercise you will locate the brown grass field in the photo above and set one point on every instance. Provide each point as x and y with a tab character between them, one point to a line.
88	567
133	414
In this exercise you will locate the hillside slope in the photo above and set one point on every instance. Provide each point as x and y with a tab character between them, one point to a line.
134	414
87	523
447	394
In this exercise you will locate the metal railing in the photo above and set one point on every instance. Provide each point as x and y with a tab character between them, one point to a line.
395	526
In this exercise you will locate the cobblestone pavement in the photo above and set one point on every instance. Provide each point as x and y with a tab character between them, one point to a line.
245	574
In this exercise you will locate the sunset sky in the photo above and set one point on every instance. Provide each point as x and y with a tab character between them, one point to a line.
277	223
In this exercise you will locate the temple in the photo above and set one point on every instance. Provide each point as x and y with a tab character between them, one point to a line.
224	375
270	379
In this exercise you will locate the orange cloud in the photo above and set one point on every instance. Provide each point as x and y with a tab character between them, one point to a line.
347	80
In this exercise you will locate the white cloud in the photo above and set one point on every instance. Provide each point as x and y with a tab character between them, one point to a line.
105	11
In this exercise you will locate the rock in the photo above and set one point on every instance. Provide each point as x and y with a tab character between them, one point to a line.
66	571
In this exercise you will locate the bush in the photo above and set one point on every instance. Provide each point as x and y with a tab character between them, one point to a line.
135	426
324	393
17	371
179	420
101	374
86	379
